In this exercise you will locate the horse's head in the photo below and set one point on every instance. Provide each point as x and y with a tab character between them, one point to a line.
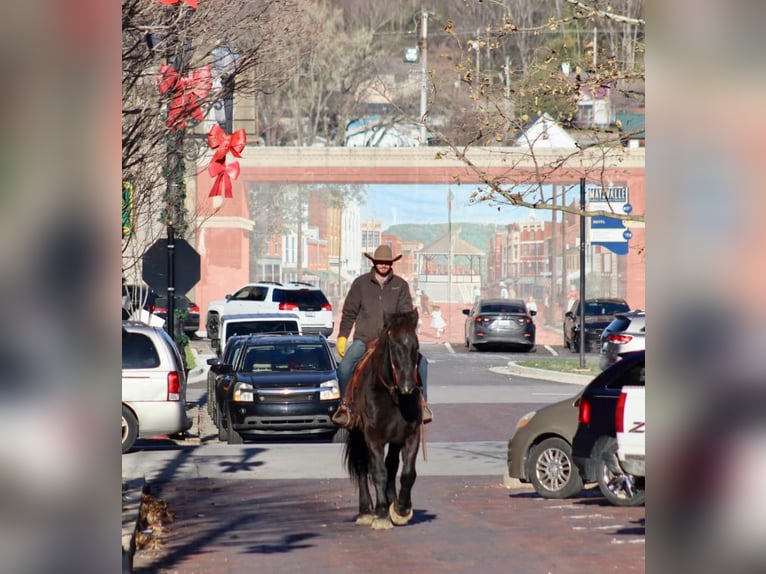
401	341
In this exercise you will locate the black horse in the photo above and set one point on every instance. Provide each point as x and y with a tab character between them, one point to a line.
387	400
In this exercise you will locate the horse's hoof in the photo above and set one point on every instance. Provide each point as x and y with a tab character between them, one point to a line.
382	524
396	518
364	519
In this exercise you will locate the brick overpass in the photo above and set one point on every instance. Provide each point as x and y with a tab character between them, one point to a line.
224	225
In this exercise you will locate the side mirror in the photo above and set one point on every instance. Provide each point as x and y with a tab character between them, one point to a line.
532	313
213	361
466	311
228	296
569	315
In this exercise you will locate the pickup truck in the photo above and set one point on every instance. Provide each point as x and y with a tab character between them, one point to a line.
630	421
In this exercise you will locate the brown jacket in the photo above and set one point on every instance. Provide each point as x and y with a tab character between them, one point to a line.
368	301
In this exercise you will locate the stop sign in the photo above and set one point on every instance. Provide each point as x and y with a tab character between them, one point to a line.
186	269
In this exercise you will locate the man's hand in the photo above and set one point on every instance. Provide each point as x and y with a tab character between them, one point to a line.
340	346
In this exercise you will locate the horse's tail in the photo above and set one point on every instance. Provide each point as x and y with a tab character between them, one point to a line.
356	455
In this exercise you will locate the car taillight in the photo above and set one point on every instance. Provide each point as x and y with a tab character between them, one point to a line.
155	309
326	307
174	386
194	308
482	320
288	307
583	414
523	320
619	413
620	339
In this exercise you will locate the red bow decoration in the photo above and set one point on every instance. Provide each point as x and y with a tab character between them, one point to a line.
223	175
192	3
225	143
189	91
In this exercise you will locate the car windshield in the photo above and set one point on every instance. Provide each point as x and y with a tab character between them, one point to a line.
606	309
260	327
501	308
286	357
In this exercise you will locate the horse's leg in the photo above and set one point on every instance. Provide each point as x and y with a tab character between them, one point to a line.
392	467
401	511
379	479
365	516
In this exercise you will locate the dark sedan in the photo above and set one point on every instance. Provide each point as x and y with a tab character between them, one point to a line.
279	384
499	322
598	314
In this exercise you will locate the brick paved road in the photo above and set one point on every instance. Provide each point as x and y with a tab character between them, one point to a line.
460	525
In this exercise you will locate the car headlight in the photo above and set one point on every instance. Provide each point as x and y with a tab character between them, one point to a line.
523	421
330	390
243	393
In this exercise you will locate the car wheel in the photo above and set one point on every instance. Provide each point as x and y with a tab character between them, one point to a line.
129	429
530	349
552	471
220	421
340	436
617	486
233	437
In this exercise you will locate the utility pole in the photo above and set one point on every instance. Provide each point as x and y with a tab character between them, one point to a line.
423	46
581	310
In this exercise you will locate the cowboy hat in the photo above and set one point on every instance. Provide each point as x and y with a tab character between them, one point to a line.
383	254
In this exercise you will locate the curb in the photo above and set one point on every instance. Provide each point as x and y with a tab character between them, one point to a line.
545	375
131	508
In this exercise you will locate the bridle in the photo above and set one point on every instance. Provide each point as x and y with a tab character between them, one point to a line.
393	388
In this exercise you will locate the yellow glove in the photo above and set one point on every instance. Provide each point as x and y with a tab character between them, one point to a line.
341	346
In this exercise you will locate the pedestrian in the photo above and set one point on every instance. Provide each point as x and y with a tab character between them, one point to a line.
503	291
370	298
531	305
476	294
426	303
437	321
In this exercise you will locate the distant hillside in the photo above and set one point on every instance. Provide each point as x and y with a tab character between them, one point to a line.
477	234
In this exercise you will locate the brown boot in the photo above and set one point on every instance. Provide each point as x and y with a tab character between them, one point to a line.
428	416
342	416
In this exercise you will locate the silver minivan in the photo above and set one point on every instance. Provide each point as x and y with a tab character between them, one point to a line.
153	384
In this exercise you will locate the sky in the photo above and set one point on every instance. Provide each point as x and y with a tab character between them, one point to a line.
427	203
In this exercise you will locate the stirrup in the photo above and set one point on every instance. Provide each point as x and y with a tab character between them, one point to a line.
342	416
428	416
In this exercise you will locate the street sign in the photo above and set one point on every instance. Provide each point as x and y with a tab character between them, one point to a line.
155	266
609	232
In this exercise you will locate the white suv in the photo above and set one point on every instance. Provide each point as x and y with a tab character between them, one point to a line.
153	384
303	299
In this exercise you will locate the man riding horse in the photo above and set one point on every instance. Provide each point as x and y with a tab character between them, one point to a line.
371	297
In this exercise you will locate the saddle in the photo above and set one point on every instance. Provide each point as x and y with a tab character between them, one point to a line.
353	384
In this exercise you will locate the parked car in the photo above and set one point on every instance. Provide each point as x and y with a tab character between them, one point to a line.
228	357
540	450
594	445
279	384
153	384
598	314
137	298
191	318
255	323
304	299
626	332
499	321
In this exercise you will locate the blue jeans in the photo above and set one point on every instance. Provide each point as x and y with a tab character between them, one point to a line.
354	353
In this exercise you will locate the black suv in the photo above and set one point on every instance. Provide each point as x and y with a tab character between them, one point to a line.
598	314
594	445
278	384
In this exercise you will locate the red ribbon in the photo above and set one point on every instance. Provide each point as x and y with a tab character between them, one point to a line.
189	92
225	143
223	175
192	3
